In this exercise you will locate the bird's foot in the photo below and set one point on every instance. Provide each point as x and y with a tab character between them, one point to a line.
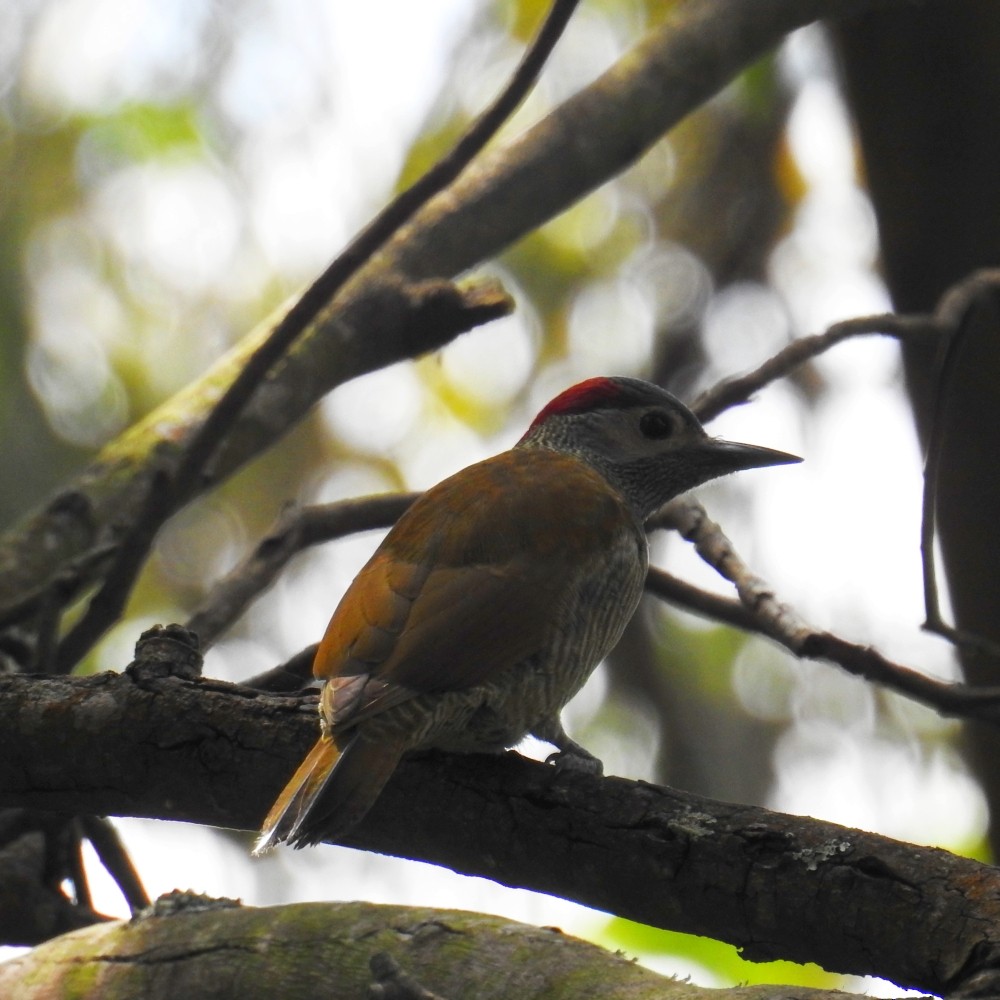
569	755
575	758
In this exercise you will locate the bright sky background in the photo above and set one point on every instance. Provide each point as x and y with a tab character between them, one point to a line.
321	162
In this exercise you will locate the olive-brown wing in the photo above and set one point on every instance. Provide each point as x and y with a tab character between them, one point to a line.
473	579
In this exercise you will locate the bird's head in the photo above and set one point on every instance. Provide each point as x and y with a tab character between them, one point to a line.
643	440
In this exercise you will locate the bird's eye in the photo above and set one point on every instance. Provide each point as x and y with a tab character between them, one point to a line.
656	424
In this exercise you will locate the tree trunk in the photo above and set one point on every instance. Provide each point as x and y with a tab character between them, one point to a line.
924	88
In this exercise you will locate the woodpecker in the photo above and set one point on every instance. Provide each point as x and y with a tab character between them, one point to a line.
495	596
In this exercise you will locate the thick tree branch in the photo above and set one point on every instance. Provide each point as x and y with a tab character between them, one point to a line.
227	952
602	130
213	753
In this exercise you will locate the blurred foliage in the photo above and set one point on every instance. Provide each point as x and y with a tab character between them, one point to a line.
723	961
143	132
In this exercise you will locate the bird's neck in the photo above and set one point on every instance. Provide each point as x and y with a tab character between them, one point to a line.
633	484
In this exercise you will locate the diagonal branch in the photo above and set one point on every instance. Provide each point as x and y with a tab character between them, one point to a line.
114	857
296	529
207	440
758	610
735	391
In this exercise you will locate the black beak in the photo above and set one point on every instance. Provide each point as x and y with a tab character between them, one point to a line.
709	458
731	456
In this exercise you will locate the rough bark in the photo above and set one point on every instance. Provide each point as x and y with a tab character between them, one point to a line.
778	886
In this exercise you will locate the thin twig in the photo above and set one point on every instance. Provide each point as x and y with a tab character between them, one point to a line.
763	614
76	872
758	610
958	311
107	605
164	498
207	440
690	598
773	618
115	858
736	391
297	528
947	327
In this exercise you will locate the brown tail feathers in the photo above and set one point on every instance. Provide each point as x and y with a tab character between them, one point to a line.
329	793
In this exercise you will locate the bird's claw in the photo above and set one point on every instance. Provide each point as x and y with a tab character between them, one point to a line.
577	760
